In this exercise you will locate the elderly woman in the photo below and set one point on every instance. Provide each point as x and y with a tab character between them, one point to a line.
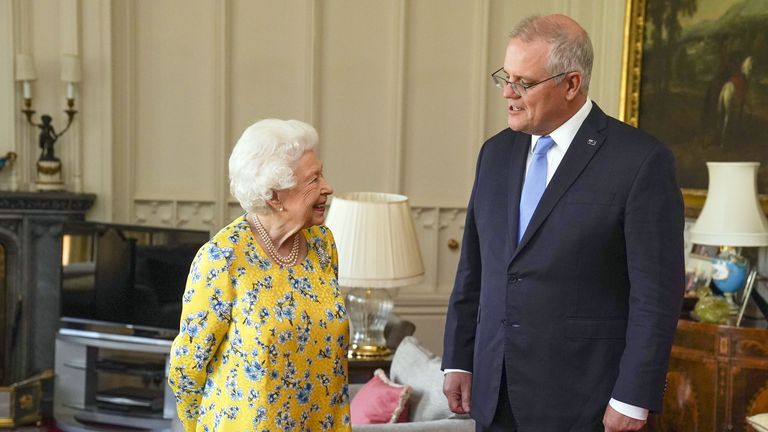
264	331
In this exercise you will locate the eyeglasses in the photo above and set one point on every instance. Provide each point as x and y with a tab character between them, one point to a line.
519	88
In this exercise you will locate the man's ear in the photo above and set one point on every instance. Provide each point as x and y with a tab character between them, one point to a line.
573	81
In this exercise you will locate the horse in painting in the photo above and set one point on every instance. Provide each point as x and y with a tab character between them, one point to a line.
730	103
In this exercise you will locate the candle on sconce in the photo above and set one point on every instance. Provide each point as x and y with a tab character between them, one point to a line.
70	72
25	72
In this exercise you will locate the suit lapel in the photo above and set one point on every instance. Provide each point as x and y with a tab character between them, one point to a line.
584	146
521	145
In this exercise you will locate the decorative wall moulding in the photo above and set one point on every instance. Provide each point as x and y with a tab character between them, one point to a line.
425	217
155	212
175	213
196	214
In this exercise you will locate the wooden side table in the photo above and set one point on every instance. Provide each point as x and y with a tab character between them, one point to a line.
361	370
717	376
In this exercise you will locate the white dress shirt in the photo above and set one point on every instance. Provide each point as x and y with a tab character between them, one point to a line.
563	136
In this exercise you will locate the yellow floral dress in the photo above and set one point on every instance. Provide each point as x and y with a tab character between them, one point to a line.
262	347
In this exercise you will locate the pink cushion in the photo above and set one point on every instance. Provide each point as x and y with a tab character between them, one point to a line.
380	401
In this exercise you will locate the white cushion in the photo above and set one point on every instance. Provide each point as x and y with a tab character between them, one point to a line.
415	365
759	422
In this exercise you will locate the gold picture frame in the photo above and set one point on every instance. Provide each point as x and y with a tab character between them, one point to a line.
630	92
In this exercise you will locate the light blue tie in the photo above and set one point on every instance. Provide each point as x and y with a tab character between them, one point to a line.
535	183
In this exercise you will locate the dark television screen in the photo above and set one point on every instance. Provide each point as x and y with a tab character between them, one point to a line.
124	274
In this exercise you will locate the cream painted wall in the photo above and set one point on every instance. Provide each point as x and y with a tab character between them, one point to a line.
398	89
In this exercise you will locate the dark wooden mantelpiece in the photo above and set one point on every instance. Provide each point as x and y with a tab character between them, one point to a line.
45	202
30	232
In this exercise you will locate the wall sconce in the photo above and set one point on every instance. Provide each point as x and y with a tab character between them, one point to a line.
49	176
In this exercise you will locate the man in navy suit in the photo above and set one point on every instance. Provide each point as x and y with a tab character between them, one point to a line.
570	279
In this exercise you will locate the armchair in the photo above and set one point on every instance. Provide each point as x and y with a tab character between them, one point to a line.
416	366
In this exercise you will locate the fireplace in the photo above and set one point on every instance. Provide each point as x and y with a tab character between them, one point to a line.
30	262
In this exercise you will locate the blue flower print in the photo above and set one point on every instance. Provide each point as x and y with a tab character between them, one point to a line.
253	396
263	314
304	393
235	393
338	367
285	309
284	337
324	381
284	420
234	237
307	265
211	275
221	308
189	294
302	337
261	347
261	416
209	386
253	258
193	324
254	371
303	287
327	423
216	253
194	273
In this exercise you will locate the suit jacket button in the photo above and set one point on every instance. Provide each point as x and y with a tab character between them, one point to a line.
513	278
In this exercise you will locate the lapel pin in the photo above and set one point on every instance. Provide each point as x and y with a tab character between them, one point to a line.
591	142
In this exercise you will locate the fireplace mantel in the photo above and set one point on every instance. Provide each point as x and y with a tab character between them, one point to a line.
45	202
30	232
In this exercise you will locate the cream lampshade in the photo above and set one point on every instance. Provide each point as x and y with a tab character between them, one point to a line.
378	249
25	68
70	72
731	215
25	72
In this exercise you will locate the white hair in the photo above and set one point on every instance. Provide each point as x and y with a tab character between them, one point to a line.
264	158
568	51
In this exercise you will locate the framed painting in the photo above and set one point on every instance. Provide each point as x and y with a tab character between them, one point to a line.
695	75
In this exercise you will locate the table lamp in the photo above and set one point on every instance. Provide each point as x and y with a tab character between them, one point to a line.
378	253
731	218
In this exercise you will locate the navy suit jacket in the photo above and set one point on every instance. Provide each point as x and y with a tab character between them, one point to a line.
585	307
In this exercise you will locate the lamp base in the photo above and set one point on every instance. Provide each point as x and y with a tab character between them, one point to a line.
368	351
369	310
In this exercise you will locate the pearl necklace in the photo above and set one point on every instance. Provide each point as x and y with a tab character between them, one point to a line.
289	260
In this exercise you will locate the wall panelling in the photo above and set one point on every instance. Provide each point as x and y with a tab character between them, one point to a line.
399	91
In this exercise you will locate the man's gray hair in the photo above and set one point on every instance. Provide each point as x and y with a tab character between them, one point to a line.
568	52
264	158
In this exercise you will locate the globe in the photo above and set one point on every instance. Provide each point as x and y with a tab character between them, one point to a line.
729	272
